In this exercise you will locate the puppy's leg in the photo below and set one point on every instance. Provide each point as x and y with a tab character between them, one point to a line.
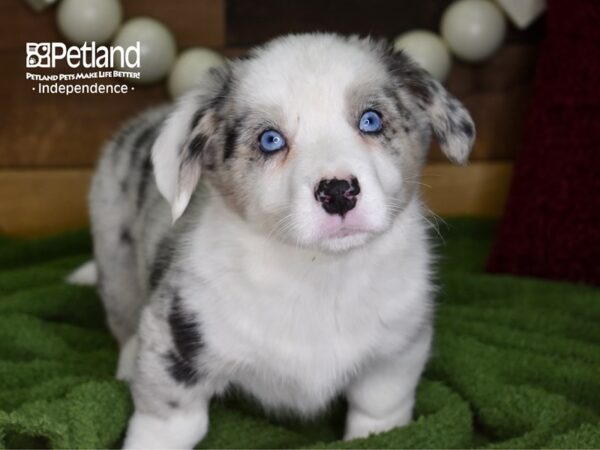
183	427
115	256
127	356
383	396
170	391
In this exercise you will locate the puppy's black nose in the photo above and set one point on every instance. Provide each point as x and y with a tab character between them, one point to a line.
337	196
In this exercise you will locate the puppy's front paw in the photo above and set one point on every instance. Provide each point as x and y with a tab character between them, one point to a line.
372	419
368	427
356	434
181	430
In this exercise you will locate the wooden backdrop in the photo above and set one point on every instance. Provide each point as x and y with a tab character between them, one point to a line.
49	143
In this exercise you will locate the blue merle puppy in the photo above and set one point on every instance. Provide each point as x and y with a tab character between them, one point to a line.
266	232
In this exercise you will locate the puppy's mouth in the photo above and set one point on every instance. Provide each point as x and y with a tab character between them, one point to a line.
335	227
345	232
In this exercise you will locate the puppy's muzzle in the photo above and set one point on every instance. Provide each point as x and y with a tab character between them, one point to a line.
337	196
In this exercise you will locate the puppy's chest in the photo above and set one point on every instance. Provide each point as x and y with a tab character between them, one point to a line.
309	329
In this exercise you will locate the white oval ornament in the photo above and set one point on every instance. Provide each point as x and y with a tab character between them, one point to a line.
189	68
473	29
83	21
428	50
157	48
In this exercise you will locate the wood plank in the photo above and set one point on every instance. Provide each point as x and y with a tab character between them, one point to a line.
193	22
511	66
250	22
20	24
42	202
45	201
479	189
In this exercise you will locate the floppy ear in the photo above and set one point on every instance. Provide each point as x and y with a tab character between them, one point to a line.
450	122
183	138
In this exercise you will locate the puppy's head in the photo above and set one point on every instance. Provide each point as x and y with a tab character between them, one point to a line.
317	139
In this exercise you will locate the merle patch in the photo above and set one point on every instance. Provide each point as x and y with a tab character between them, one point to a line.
467	128
125	236
162	262
198	115
187	340
145	174
197	145
231	138
181	371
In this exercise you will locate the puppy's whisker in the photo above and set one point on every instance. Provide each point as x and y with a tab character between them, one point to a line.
435	222
418	183
276	228
279	229
281	226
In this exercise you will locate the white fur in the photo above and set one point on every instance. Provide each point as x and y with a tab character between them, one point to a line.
165	155
179	430
293	326
127	356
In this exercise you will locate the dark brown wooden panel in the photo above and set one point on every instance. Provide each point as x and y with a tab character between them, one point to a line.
20	24
255	21
193	22
42	202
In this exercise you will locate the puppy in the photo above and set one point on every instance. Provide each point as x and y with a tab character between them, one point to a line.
266	232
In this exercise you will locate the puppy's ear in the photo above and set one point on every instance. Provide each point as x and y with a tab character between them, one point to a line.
186	134
450	122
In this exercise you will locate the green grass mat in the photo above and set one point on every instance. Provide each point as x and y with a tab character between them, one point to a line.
516	362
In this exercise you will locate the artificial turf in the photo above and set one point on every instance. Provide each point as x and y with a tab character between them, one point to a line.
516	362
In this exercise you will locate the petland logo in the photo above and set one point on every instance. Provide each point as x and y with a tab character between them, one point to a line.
94	63
89	56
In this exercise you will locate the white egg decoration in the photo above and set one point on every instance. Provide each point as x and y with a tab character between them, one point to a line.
83	21
473	29
189	68
157	47
428	50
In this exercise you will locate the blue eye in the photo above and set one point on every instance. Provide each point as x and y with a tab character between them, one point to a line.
271	141
370	122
